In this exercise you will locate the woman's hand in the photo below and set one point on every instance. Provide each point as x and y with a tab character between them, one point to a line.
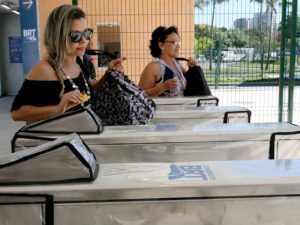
192	62
116	64
67	100
170	84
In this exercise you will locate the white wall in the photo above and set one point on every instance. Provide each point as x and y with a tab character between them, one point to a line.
11	74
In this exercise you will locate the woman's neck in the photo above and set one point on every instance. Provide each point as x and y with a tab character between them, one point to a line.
71	67
168	60
70	61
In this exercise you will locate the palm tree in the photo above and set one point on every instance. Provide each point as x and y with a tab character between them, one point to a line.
199	4
261	36
270	8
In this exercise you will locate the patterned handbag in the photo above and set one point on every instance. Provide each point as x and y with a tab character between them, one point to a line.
118	101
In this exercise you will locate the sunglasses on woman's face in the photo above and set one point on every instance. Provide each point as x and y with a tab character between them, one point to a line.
173	42
76	36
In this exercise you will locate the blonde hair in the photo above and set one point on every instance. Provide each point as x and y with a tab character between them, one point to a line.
56	36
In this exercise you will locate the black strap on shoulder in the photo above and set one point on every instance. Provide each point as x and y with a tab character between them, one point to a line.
83	68
101	53
182	59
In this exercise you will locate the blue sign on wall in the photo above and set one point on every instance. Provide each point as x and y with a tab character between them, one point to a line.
30	33
15	49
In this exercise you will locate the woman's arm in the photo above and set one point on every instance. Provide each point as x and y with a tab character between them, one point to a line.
115	64
34	113
97	83
148	78
42	71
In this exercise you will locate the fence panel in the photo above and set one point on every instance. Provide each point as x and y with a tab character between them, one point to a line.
236	42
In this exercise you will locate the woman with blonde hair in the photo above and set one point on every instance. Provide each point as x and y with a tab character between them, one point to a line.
56	82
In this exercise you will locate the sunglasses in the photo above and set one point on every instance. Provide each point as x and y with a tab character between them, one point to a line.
76	36
173	42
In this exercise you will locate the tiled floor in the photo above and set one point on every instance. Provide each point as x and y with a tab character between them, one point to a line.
7	126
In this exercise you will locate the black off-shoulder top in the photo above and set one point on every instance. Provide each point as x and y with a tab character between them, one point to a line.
44	93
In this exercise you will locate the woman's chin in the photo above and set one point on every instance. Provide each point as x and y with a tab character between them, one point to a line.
80	51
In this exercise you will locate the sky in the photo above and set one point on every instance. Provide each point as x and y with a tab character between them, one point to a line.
227	12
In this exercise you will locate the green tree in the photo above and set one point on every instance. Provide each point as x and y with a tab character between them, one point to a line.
202	45
270	8
238	38
255	37
288	26
199	4
221	35
202	30
202	39
231	38
261	32
228	38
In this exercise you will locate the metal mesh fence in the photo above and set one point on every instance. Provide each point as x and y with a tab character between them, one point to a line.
237	43
124	27
244	62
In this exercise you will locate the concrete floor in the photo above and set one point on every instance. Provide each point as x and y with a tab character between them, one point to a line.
8	127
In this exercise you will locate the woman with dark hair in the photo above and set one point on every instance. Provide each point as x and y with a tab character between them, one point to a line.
56	83
164	76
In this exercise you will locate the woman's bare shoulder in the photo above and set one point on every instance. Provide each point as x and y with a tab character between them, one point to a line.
151	67
42	70
150	74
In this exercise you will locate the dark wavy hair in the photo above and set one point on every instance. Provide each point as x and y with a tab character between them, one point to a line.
160	34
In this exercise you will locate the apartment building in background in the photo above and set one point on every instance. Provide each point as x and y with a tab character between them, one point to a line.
260	21
242	23
266	22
